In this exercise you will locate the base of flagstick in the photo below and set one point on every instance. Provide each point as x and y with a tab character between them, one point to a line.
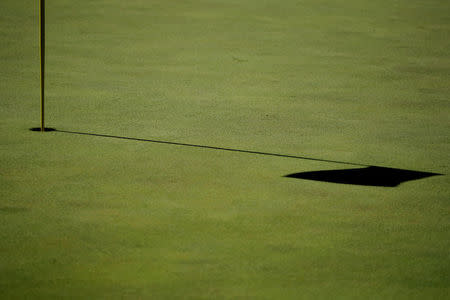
45	129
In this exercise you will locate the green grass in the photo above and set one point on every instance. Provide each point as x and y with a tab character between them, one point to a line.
91	217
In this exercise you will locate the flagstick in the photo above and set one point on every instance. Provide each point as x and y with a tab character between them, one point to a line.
42	50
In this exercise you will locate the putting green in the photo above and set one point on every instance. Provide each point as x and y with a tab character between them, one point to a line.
365	82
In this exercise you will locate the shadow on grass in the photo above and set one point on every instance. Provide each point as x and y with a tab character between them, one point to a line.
212	147
367	176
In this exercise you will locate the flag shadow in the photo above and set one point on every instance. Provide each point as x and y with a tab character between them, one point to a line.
367	176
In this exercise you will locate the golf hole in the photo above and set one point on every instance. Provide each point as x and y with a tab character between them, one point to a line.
45	129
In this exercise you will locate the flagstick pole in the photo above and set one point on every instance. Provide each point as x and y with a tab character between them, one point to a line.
42	51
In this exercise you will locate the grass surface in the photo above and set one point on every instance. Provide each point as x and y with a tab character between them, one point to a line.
360	81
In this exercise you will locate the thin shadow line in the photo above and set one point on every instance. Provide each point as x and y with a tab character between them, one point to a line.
214	148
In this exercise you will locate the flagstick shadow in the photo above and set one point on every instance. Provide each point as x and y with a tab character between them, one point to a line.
213	148
369	175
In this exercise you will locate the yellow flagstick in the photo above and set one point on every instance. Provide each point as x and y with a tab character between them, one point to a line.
42	51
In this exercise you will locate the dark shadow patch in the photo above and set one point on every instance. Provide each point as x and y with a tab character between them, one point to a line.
370	176
12	209
45	129
239	60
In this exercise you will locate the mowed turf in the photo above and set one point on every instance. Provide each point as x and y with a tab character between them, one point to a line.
94	217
